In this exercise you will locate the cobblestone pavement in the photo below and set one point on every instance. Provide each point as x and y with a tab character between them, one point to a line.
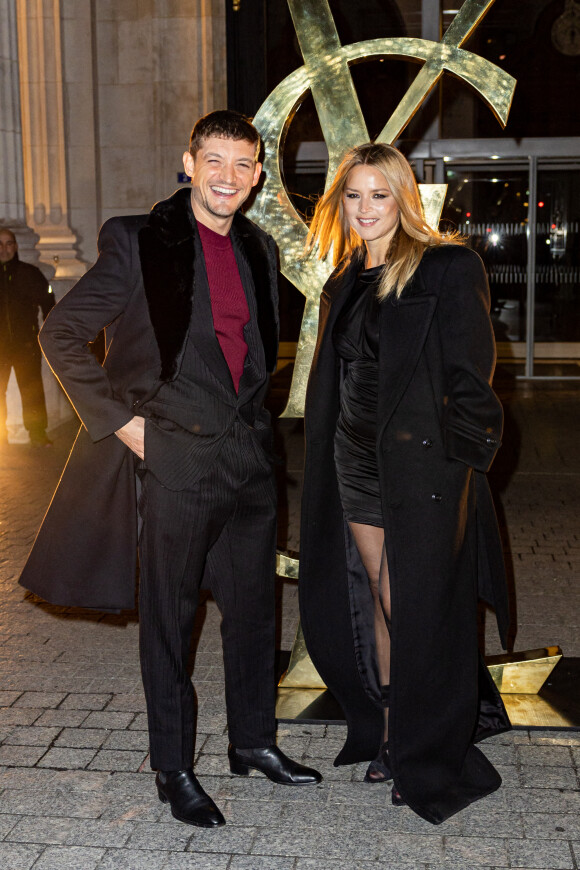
75	787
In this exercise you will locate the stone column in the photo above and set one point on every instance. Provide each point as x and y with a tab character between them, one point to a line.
12	203
43	135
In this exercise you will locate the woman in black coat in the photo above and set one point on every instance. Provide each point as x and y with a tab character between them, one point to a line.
398	529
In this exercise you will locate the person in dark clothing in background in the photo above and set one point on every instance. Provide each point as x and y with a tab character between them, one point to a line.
23	290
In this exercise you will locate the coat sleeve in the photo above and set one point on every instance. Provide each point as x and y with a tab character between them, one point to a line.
97	299
472	415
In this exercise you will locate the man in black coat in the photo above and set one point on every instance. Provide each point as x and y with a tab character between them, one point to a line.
23	290
190	293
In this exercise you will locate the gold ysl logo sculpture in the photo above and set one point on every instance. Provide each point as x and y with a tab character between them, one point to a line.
326	74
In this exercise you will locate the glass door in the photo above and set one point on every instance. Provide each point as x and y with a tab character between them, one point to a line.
556	321
488	203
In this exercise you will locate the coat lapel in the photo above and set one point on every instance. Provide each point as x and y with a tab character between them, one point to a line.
251	245
166	251
322	395
404	325
169	249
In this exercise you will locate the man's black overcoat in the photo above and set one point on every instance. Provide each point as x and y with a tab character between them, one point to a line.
142	286
439	425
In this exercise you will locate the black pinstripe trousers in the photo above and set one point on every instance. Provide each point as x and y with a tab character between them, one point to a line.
224	527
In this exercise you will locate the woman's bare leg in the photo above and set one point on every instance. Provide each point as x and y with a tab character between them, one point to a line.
370	543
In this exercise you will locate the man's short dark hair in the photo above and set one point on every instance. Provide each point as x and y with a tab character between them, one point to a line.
226	124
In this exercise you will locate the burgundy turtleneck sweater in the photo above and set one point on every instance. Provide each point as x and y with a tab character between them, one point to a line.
228	300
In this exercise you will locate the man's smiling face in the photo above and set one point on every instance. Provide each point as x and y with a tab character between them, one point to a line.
223	173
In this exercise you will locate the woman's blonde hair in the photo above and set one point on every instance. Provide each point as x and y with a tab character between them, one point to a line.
330	227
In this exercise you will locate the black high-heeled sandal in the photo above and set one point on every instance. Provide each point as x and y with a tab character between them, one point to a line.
379	770
396	798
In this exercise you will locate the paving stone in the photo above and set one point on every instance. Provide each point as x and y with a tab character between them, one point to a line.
287	841
139	723
134	703
172	835
297	729
39	700
132	859
543	800
549	777
251	812
476	850
67	758
217	765
544	854
478	819
198	861
34	736
82	738
18	857
545	756
134	809
315	814
18	716
555	826
135	740
327	747
55	802
510	775
62	718
560	739
69	858
506	754
228	840
345	864
21	756
81	780
110	833
243	788
30	777
7	824
111	721
117	760
256	862
213	744
85	702
8	698
356	793
47	830
123	784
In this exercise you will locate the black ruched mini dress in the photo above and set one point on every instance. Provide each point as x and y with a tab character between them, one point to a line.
356	340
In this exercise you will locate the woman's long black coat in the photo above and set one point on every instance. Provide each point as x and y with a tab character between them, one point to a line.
438	427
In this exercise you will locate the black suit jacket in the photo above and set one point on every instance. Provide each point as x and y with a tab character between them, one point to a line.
143	289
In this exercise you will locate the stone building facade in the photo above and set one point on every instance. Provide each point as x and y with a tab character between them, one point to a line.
97	98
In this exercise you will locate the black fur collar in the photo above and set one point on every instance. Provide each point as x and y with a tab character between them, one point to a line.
167	253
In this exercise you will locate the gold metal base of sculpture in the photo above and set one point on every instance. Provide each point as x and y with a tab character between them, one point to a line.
523	673
533	711
524	711
303	696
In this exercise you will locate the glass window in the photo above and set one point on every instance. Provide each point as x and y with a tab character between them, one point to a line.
489	205
557	279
